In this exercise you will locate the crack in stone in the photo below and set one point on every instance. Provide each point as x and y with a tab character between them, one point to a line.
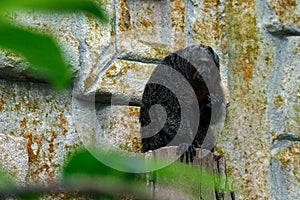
283	141
289	137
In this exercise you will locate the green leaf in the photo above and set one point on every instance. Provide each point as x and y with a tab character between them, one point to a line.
189	178
29	197
186	178
5	181
84	163
84	168
41	51
88	6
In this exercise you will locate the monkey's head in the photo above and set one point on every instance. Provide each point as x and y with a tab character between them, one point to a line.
215	57
205	71
209	60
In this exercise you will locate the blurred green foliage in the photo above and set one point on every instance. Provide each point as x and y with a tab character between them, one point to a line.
84	173
85	163
87	6
40	50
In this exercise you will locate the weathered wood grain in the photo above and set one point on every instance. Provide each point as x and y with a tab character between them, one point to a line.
205	160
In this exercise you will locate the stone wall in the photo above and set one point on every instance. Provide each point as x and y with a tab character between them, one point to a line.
259	47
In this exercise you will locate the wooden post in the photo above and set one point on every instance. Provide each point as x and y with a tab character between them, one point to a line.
204	159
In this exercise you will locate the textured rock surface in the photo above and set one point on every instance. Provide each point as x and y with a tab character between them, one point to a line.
283	16
284	122
290	84
119	127
284	170
14	156
257	41
125	79
263	93
150	29
41	119
244	140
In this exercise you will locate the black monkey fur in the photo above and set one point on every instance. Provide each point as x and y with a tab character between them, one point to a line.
205	59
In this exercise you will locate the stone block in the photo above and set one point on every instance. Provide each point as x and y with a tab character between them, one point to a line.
207	24
124	79
14	157
43	119
150	30
291	86
284	94
119	128
244	140
282	16
284	173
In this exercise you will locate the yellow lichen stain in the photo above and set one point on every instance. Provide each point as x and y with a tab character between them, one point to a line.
12	133
198	28
285	10
132	140
72	39
45	27
112	30
269	60
219	151
136	144
290	158
296	108
124	23
117	69
64	131
134	111
124	129
230	170
2	102
35	121
63	119
41	160
209	27
51	148
178	15
111	69
145	23
243	34
33	156
158	50
121	74
149	11
246	128
89	80
131	143
23	123
178	23
224	45
63	123
278	100
12	55
93	24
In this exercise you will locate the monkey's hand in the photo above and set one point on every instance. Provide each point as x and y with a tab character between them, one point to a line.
188	150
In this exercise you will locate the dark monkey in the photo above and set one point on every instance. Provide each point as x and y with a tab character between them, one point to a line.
205	82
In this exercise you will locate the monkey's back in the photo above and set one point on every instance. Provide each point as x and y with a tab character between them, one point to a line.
162	95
